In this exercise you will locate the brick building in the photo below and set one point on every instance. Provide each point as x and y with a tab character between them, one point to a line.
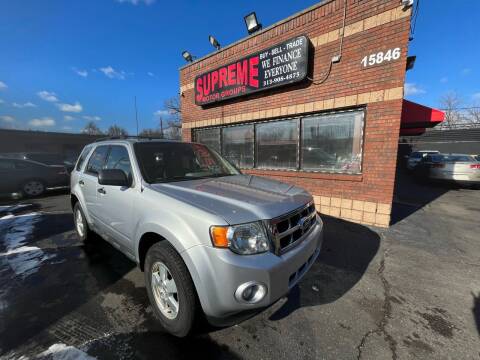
334	130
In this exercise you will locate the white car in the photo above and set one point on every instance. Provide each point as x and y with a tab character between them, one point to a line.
415	157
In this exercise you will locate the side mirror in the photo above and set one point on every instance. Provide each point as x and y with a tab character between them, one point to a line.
114	177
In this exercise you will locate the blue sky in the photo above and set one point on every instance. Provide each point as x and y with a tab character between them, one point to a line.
63	63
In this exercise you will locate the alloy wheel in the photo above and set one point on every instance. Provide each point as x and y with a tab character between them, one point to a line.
165	290
33	188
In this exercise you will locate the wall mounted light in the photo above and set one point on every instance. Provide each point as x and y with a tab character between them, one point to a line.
214	42
252	23
187	56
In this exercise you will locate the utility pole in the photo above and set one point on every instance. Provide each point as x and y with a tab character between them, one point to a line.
136	112
161	127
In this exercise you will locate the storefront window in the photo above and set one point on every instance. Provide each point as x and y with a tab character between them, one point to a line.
209	137
237	145
277	144
332	142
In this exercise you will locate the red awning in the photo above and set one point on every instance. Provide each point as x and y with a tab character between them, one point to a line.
416	117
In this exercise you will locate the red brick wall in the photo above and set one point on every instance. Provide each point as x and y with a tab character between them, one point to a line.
347	79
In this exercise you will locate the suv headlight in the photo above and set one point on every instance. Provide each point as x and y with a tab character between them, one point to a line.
244	239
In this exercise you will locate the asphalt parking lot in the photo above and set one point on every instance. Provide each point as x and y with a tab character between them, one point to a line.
412	291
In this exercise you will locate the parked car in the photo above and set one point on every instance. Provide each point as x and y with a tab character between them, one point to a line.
202	232
416	156
29	177
45	158
459	168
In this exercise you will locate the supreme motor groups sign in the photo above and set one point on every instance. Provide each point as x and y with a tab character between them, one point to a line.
282	64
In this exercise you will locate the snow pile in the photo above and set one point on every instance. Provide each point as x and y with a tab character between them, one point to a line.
15	232
65	352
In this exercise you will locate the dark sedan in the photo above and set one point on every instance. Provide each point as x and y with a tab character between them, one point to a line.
29	177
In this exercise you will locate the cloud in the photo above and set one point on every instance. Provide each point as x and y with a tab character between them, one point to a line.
43	122
24	105
3	86
66	128
476	96
150	74
92	118
75	108
444	80
68	118
80	72
466	71
413	89
137	2
111	73
47	96
7	118
161	113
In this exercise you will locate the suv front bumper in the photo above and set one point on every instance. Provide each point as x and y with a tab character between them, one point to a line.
218	273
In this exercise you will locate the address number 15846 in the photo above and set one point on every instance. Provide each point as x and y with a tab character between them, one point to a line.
381	57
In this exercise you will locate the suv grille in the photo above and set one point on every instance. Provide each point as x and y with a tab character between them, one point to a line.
286	230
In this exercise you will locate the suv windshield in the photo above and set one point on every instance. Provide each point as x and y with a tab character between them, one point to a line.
169	161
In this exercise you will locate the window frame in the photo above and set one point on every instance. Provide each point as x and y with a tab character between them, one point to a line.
362	140
296	168
81	163
254	151
299	158
129	158
85	170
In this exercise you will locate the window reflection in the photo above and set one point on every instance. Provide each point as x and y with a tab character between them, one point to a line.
277	144
237	145
332	142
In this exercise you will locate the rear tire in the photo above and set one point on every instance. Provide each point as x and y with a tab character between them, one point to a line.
80	222
33	187
172	296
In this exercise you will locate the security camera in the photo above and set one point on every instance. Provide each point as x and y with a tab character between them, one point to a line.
407	3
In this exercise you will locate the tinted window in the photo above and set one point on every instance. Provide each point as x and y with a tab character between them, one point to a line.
7	165
97	160
332	142
237	145
461	158
277	144
118	159
26	165
82	157
209	137
416	155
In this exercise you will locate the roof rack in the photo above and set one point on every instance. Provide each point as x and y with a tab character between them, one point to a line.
124	137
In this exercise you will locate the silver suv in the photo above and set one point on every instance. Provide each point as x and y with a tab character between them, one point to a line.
207	237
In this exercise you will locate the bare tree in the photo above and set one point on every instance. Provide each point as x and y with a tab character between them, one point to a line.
92	129
115	130
450	103
474	113
156	133
172	105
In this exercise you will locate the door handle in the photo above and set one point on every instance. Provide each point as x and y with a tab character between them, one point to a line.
81	183
102	191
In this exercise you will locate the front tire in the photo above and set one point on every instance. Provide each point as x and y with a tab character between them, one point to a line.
80	222
170	289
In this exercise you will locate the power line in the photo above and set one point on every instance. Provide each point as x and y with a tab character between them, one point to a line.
462	108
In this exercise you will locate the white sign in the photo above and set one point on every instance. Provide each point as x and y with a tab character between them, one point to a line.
381	57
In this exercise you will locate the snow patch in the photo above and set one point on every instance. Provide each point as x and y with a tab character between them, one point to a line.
15	232
20	250
65	352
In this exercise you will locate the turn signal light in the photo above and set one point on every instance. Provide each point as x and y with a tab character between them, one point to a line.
475	166
219	236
